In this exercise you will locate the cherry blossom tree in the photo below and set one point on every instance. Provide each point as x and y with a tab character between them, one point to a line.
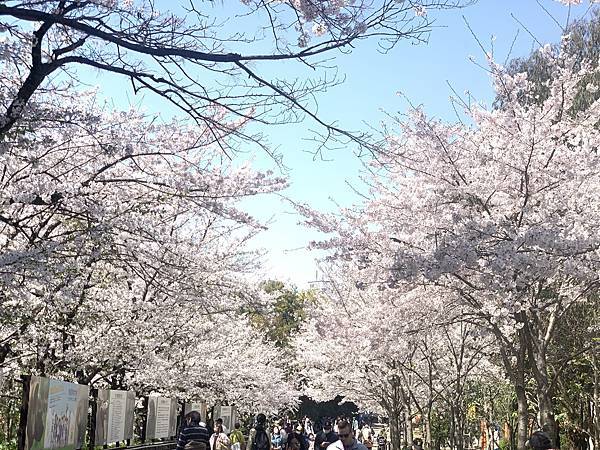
191	60
397	353
121	242
224	359
503	215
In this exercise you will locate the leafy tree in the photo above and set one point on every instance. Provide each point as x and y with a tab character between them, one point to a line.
282	319
581	43
575	372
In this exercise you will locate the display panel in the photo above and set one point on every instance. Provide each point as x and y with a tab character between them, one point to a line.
57	415
114	416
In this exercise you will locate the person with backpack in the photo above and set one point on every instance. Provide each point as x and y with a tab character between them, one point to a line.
193	435
540	440
237	438
259	438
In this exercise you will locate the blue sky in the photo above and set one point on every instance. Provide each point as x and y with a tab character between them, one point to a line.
421	72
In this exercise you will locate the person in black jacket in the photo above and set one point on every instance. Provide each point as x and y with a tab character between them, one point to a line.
325	437
540	440
193	431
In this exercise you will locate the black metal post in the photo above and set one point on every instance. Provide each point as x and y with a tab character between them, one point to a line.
22	432
92	419
144	418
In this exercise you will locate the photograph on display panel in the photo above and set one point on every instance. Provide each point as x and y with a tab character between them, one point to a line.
101	433
57	415
129	414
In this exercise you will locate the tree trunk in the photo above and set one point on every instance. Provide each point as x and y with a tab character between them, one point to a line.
492	444
596	410
508	434
460	427
395	432
452	437
427	420
522	404
408	422
547	420
536	341
523	416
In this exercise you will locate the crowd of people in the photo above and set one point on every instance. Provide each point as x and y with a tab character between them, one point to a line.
281	434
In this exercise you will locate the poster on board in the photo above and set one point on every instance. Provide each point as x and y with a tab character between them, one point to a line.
114	416
226	415
162	417
57	415
196	405
102	401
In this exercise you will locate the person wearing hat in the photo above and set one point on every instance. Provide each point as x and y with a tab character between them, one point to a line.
300	431
540	441
325	437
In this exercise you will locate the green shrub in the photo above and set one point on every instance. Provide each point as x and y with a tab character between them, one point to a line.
504	444
8	445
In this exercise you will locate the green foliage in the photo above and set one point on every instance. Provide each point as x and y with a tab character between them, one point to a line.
582	44
503	444
282	321
572	358
332	408
10	402
8	445
440	427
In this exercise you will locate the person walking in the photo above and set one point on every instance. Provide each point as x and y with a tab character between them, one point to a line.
346	441
366	433
238	442
325	437
276	439
259	438
308	426
220	422
193	435
381	441
283	432
219	440
296	441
